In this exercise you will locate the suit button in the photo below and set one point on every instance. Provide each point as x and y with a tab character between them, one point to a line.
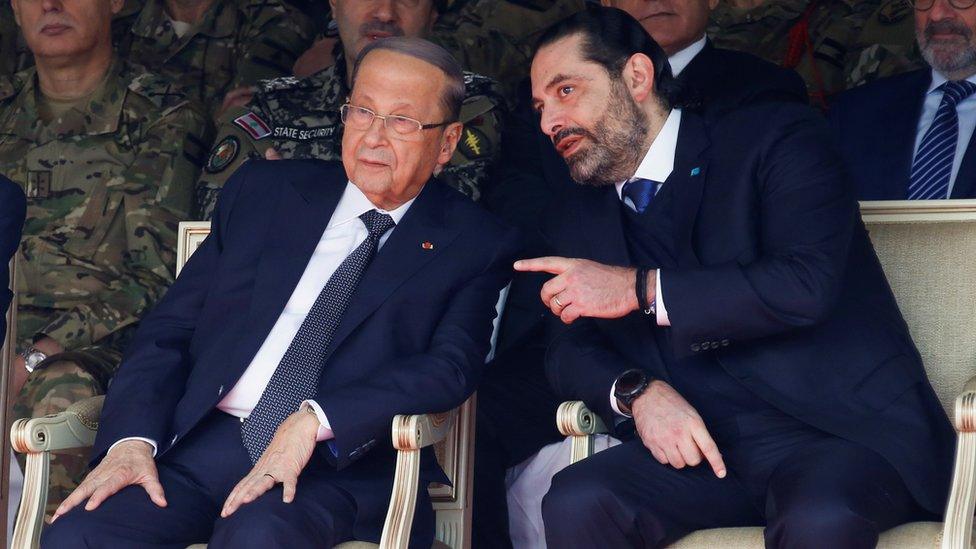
354	453
695	347
715	345
725	343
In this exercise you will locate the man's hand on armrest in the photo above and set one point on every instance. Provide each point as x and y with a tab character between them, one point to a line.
128	463
282	461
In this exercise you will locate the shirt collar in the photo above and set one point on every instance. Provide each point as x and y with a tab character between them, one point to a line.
658	163
681	59
938	79
354	204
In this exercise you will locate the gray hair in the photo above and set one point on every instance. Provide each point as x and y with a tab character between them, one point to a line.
432	54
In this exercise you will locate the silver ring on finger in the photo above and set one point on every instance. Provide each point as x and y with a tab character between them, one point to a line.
269	475
558	303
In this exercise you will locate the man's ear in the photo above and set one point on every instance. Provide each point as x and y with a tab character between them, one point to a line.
16	7
606	3
639	76
449	141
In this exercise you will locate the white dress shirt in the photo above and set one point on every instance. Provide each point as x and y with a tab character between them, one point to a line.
344	233
657	165
680	59
967	121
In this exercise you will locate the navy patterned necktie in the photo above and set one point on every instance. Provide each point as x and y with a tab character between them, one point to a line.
640	192
932	166
296	378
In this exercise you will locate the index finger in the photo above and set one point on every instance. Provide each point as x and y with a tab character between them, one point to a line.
709	449
81	493
551	264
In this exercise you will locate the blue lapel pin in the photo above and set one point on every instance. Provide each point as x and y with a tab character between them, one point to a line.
695	172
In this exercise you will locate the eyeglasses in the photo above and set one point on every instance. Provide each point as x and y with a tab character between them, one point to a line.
926	5
361	118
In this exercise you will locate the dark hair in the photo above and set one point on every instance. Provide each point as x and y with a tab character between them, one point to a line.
610	37
432	54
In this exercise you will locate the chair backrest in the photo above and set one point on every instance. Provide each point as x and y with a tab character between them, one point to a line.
928	251
455	453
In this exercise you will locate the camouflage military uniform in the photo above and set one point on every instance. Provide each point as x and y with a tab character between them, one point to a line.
886	45
106	188
238	42
300	119
497	38
14	55
811	36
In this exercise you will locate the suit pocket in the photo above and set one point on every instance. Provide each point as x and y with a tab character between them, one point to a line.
884	384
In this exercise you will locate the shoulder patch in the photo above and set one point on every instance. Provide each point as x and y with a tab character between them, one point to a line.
223	154
253	125
473	144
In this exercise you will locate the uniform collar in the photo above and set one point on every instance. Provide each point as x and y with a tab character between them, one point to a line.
354	203
658	163
109	99
938	79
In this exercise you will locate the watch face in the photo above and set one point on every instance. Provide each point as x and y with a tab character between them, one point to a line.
630	382
34	359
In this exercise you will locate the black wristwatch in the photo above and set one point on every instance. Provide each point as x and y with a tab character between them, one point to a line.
630	385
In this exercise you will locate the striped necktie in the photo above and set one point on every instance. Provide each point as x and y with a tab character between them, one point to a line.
932	166
297	375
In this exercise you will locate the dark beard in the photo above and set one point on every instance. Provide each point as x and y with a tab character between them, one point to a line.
615	144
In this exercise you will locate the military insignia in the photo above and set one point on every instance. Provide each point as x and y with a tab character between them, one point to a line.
38	184
427	245
894	11
223	154
473	144
253	125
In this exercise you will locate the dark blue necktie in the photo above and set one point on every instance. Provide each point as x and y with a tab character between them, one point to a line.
932	166
296	378
640	192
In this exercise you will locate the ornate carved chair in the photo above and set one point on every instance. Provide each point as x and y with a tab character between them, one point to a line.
927	250
451	434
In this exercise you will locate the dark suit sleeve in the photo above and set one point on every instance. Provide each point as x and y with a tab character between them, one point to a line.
13	208
153	374
807	213
435	381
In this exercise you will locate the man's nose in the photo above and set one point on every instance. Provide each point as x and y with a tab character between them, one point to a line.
942	10
384	10
551	121
51	5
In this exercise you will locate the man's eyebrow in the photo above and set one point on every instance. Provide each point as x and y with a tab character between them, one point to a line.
555	81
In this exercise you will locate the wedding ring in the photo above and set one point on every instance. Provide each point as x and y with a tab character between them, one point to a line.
558	303
271	476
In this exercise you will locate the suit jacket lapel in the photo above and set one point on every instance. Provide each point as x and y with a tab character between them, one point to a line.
402	255
904	130
688	180
965	183
301	216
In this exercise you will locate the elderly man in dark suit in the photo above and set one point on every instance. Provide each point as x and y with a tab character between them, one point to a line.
13	208
911	136
716	289
327	299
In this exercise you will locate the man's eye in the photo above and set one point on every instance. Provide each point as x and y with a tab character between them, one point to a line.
566	90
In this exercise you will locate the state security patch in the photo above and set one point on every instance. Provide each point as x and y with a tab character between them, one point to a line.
223	154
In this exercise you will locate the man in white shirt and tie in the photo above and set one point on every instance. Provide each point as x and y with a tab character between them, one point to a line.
327	299
911	136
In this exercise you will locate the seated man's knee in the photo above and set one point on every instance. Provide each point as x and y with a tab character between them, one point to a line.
53	388
575	498
820	524
265	523
72	530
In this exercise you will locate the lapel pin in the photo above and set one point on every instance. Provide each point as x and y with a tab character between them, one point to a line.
695	172
427	245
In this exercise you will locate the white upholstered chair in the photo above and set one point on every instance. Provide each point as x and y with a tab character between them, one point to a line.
451	434
928	250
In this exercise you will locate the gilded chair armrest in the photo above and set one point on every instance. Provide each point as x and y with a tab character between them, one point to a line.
73	428
410	434
574	419
38	437
957	530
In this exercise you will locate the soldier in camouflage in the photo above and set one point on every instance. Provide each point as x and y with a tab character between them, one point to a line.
212	46
107	155
886	45
814	37
299	118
